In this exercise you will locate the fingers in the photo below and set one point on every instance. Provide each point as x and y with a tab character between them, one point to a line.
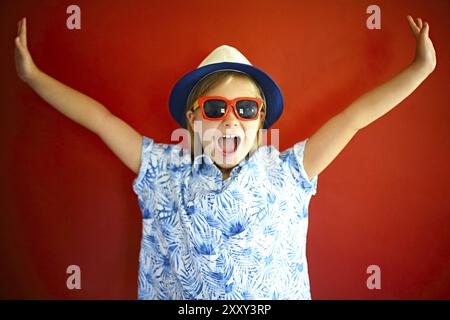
418	27
19	46
413	26
17	42
17	38
22	31
425	30
419	23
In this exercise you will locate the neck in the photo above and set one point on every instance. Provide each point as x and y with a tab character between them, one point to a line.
225	173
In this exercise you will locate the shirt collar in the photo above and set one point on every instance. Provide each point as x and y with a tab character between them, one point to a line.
203	164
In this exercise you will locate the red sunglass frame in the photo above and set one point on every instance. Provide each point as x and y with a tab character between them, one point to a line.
199	103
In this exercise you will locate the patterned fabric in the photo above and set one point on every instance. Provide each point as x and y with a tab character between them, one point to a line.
204	238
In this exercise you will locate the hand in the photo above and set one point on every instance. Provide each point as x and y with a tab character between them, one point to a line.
425	55
25	66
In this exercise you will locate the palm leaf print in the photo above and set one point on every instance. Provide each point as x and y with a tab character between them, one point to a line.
205	239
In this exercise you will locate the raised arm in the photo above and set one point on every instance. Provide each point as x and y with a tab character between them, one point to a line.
122	139
322	147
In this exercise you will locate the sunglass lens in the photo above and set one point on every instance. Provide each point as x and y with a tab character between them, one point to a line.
215	108
247	109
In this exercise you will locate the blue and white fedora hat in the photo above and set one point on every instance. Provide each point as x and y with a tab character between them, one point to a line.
226	58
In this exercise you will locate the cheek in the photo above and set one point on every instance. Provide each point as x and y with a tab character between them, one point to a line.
197	116
251	131
207	129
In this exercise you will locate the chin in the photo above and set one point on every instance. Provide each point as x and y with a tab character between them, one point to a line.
227	165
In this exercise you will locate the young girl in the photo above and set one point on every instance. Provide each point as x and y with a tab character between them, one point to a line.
229	219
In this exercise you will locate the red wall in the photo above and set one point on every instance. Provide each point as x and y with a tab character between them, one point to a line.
66	199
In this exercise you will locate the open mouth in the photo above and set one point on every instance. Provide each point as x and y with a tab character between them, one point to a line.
228	144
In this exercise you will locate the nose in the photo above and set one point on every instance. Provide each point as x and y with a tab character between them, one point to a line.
230	120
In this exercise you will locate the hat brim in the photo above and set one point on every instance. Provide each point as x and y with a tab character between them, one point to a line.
183	87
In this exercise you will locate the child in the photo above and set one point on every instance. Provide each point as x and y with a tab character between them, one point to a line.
229	219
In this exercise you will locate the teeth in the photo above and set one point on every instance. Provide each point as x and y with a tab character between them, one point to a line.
229	136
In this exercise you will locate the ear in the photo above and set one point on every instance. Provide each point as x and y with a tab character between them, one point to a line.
190	117
262	116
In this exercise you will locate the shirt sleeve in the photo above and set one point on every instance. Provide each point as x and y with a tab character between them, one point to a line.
295	162
154	157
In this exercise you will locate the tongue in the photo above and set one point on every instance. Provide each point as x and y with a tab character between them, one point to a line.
227	145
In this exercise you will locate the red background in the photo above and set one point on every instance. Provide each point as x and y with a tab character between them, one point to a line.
66	199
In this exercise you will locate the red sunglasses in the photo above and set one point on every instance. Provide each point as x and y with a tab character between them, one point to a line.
217	108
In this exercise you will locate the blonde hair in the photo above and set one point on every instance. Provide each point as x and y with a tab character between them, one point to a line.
208	83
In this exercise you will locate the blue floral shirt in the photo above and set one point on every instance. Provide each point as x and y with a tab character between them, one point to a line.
204	238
